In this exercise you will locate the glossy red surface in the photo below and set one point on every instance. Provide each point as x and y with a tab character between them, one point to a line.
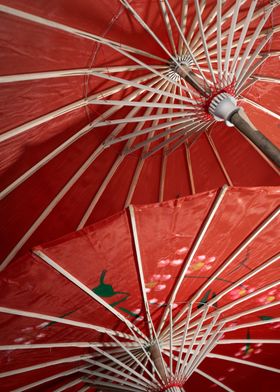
166	233
30	47
34	213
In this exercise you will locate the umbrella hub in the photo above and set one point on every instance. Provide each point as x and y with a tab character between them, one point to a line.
182	68
180	62
222	106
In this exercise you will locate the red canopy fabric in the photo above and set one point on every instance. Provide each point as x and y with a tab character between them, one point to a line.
56	174
222	246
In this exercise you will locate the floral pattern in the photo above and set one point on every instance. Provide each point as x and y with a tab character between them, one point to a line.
201	263
269	297
241	291
248	350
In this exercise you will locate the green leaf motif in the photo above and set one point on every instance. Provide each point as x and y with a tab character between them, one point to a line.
204	299
209	295
248	345
105	290
63	316
129	312
266	318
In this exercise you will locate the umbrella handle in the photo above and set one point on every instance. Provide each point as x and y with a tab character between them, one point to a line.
240	120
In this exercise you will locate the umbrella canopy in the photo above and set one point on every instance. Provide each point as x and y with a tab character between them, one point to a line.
116	102
159	297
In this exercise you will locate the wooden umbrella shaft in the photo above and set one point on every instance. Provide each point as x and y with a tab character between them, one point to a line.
170	386
265	145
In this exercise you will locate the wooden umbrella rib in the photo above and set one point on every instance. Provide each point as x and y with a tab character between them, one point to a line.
195	24
145	369
219	159
270	218
203	345
243	362
185	41
268	263
239	88
114	370
186	363
231	34
195	130
100	192
42	365
198	49
163	164
116	380
184	14
134	182
169	124
106	42
68	142
252	341
184	336
102	385
72	30
262	108
208	21
137	171
201	28
144	87
251	44
236	252
210	345
174	137
88	291
57	199
69	385
71	73
84	389
139	264
168	27
51	378
149	30
252	324
215	206
251	15
69	108
115	165
235	316
219	39
264	78
214	380
118	160
62	345
125	353
179	129
244	313
245	24
72	323
162	176
190	170
246	70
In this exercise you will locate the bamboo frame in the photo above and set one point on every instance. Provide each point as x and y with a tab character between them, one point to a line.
193	250
88	291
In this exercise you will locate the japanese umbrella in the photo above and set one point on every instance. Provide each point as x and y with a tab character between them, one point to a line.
108	103
159	297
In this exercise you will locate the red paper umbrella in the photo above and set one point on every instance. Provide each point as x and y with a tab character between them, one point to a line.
159	297
107	103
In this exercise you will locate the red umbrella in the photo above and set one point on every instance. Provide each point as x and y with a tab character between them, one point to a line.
159	297
108	103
